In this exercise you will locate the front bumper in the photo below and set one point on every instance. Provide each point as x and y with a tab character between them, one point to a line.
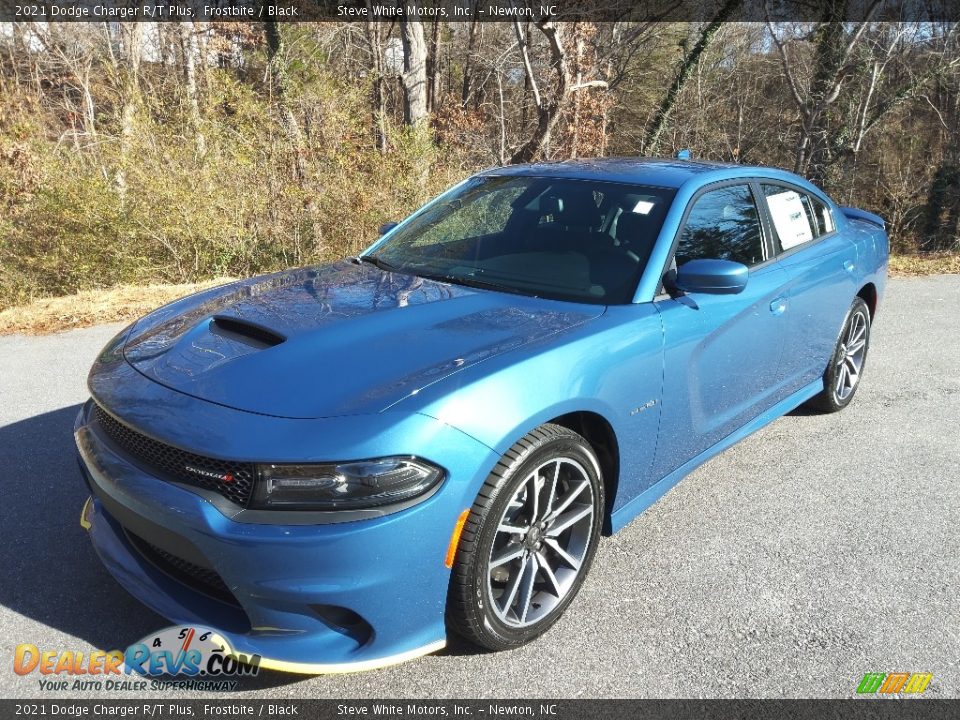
283	580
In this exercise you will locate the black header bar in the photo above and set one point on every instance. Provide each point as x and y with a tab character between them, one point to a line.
479	10
230	709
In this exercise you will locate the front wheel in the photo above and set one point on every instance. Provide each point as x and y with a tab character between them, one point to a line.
842	377
529	540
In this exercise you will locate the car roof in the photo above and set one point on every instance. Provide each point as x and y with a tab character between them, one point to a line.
659	172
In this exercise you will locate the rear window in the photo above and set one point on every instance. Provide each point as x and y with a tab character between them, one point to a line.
797	217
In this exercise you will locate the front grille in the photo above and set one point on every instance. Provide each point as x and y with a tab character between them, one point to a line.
202	579
233	480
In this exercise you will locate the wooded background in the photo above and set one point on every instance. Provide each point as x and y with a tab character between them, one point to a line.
173	152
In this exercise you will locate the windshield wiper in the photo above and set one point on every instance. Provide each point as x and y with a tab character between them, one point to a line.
374	260
466	280
470	281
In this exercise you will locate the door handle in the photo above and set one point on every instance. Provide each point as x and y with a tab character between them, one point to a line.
848	266
778	306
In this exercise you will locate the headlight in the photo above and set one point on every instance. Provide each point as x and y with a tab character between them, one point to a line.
344	486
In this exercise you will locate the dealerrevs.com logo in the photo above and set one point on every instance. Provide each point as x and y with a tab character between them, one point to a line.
199	655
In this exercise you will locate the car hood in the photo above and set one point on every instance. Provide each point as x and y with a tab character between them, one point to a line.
331	340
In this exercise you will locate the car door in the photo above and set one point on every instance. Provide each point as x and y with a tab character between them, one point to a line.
721	352
820	264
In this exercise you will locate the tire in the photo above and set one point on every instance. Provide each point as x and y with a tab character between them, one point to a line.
842	377
500	604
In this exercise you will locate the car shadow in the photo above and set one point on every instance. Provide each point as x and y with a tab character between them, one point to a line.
804	411
50	572
458	646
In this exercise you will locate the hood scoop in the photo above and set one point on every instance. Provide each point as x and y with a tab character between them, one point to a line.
245	331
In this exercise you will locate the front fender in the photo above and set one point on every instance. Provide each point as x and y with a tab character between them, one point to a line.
612	366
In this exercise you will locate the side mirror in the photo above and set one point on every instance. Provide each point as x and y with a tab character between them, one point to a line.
715	277
387	227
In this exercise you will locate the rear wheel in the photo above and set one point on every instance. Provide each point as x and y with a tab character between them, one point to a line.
842	377
529	540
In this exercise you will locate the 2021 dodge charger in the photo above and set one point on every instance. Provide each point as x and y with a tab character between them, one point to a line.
336	465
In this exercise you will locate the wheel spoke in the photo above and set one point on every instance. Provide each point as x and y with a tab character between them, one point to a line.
842	380
509	552
552	496
534	480
526	589
548	571
510	591
566	520
511	529
858	335
571	496
853	372
855	328
854	348
562	554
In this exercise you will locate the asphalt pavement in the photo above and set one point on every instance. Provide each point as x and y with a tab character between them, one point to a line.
819	549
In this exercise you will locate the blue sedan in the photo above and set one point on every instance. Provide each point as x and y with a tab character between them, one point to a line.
337	466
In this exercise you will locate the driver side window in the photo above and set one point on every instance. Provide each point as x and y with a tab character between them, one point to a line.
723	224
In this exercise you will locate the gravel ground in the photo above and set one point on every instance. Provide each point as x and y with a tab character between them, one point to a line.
820	548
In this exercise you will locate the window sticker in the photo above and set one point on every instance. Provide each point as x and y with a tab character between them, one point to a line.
643	207
790	219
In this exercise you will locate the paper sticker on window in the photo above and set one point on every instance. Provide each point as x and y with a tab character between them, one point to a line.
643	207
790	219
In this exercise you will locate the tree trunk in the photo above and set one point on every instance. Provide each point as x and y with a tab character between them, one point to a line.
575	122
276	67
414	77
132	34
548	109
188	49
467	89
378	88
433	67
202	36
829	60
834	40
651	139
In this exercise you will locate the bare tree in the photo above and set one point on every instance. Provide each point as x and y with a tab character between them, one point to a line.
834	42
278	82
707	33
548	105
414	77
433	66
132	46
848	90
473	38
188	53
378	81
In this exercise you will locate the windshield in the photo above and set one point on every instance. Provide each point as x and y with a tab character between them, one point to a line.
580	240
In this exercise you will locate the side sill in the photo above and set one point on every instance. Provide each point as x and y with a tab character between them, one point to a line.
648	497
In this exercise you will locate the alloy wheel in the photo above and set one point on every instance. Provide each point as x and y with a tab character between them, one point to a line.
541	542
850	356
